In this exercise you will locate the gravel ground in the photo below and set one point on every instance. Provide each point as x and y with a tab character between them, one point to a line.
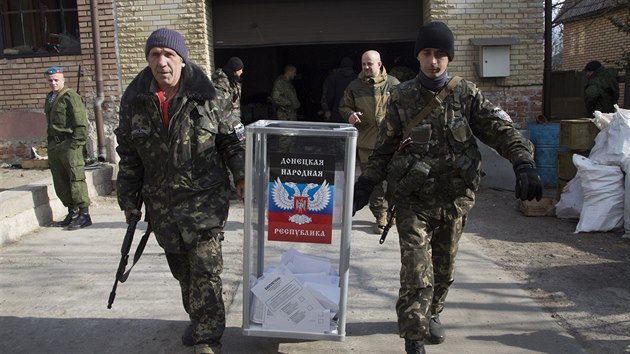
583	279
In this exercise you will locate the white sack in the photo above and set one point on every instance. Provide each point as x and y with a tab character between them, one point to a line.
603	196
602	120
571	200
612	145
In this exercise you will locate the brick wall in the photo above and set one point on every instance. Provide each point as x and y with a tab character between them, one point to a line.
520	94
594	39
24	84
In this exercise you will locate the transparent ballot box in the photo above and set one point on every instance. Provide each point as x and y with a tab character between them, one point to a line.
298	210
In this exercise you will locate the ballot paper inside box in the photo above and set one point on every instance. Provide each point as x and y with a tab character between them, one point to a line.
297	227
282	302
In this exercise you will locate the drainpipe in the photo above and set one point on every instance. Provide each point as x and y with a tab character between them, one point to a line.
547	63
100	95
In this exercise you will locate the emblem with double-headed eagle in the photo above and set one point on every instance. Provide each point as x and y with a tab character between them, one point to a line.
300	201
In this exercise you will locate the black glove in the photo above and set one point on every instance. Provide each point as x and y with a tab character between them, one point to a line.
362	190
528	183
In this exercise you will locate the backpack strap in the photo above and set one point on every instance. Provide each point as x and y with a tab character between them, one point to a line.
436	101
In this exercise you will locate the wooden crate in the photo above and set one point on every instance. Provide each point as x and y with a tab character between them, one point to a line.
544	207
578	134
32	164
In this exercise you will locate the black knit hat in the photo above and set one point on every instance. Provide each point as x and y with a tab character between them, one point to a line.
233	65
592	65
435	35
167	38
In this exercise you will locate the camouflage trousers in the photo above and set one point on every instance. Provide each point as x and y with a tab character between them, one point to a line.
67	168
427	247
199	274
378	203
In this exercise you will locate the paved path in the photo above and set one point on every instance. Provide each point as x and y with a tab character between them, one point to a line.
55	285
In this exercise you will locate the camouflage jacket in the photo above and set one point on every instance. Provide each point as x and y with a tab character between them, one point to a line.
66	115
442	168
180	169
232	90
284	96
369	96
601	91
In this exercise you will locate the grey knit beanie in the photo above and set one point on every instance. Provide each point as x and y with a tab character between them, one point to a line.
167	38
435	35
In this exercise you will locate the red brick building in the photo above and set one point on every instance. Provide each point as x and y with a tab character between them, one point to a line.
499	46
588	34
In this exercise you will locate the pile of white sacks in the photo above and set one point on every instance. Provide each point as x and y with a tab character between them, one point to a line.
597	195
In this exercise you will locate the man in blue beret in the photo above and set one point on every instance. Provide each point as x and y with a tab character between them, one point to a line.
67	135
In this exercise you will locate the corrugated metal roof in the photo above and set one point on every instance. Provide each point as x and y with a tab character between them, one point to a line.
572	9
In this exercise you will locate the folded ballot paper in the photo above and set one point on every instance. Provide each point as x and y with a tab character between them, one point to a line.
301	294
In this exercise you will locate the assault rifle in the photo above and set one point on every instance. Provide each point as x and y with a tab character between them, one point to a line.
403	147
121	275
390	222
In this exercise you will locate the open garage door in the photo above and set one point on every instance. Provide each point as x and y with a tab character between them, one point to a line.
287	22
313	36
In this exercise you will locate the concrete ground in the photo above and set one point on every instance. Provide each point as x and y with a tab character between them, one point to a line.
55	285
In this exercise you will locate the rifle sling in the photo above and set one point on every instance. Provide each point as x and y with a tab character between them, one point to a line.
138	253
436	101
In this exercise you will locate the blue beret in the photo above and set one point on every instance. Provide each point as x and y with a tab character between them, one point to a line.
53	70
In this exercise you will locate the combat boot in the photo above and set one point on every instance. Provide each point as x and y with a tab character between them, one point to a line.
203	348
436	332
414	346
82	220
72	214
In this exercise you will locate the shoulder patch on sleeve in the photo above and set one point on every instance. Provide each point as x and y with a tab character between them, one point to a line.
502	114
239	129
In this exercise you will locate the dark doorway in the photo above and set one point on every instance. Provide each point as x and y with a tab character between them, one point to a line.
313	62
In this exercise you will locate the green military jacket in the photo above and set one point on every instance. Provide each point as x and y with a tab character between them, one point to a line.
66	116
284	96
601	91
369	96
232	90
180	170
442	168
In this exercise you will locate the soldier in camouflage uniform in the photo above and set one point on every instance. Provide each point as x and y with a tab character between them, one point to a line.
176	143
283	95
364	104
436	178
601	91
228	79
67	135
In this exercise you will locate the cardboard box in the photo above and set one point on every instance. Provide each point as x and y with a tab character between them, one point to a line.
30	164
544	207
578	134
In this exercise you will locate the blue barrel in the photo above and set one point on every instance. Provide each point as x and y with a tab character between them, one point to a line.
546	139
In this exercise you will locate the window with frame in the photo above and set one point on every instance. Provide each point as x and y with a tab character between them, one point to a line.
38	28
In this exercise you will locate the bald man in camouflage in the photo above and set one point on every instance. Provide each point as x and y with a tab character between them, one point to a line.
364	104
